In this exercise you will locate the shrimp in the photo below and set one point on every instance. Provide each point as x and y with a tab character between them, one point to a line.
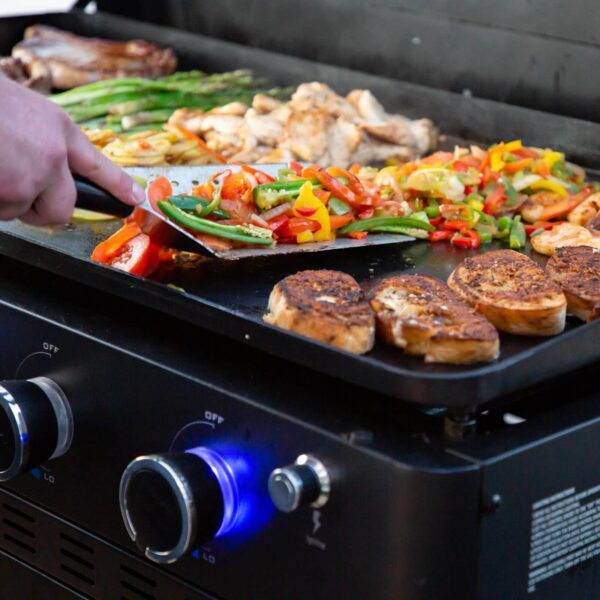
585	212
564	234
545	206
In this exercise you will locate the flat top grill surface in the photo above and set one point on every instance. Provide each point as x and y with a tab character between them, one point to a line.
231	298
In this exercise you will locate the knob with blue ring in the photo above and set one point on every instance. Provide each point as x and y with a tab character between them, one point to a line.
175	502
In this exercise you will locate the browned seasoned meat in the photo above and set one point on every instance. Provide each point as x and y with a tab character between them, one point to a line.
577	270
39	81
74	60
328	306
512	291
423	316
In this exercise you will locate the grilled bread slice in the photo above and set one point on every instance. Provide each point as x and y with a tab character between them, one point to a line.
577	270
423	316
512	291
328	306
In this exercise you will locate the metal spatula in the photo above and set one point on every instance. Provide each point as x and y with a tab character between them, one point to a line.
183	179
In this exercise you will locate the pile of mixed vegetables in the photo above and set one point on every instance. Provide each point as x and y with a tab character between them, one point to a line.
467	197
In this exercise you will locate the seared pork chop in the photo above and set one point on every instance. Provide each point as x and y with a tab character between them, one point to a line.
577	270
512	291
327	306
74	60
423	316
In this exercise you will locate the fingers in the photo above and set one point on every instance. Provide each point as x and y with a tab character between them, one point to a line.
55	204
85	160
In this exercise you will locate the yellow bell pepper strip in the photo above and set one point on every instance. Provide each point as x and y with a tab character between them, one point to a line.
305	236
496	161
551	157
309	206
551	186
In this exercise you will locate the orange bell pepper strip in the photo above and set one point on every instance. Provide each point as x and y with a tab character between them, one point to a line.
188	135
518	165
110	247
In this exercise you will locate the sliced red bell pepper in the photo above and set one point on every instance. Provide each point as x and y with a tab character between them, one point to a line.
139	256
466	238
471	161
336	187
306	212
439	235
547	225
459	166
437	221
277	222
525	152
494	200
261	176
296	225
366	213
294	166
454	225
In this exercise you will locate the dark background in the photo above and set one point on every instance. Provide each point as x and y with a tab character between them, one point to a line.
543	54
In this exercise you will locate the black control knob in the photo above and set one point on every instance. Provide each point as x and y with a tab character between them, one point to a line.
36	424
304	483
173	503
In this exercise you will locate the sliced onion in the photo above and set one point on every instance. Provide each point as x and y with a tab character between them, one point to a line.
524	182
577	170
276	212
256	220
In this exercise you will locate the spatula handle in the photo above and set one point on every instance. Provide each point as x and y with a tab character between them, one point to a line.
92	197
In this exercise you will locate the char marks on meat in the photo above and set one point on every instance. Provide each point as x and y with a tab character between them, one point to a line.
74	60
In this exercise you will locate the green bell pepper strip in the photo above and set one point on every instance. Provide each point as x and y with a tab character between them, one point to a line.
269	195
504	223
432	210
337	206
376	222
189	203
517	237
231	232
212	206
411	231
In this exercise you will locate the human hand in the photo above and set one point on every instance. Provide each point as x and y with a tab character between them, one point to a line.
41	148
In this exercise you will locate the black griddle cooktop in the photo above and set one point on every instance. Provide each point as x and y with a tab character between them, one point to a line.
231	297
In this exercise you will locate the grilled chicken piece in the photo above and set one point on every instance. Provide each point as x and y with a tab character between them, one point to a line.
327	306
577	270
74	60
419	136
565	234
512	291
264	128
423	316
307	134
586	211
263	104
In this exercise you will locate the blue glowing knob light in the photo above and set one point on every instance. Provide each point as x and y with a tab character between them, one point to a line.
173	503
